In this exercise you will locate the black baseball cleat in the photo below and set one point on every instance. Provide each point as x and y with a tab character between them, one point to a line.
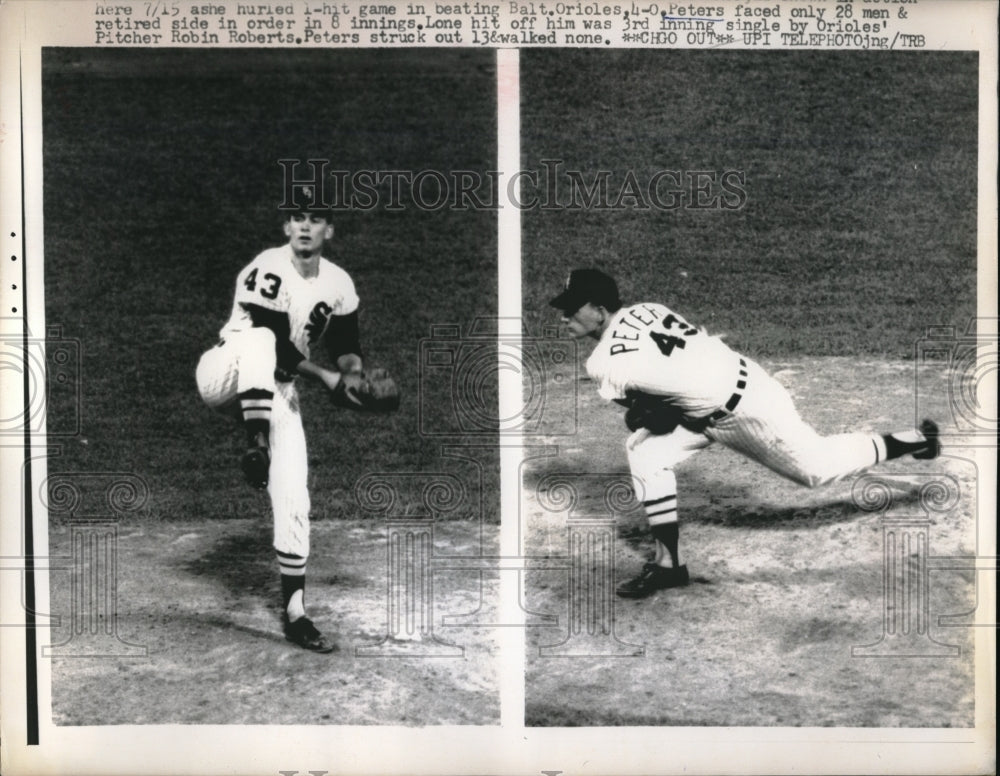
256	463
932	449
306	635
653	578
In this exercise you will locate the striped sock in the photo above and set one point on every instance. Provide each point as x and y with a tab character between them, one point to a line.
293	583
881	448
903	443
661	510
255	405
662	516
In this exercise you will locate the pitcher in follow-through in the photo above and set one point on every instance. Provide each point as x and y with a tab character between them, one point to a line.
684	390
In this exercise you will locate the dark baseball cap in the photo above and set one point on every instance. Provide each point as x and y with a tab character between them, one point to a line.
587	285
306	199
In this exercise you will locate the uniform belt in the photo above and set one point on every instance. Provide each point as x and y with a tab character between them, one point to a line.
736	397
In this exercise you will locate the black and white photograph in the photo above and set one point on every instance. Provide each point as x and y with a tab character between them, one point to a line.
758	255
250	296
519	388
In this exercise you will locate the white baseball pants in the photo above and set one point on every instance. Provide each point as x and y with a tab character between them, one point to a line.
764	426
246	361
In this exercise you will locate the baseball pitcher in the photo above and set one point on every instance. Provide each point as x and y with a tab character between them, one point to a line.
289	300
685	390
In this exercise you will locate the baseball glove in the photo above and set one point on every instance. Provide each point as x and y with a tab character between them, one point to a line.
374	390
656	413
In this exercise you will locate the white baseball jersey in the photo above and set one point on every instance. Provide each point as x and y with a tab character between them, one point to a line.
277	316
271	282
649	348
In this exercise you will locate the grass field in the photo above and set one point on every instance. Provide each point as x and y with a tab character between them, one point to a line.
162	182
858	228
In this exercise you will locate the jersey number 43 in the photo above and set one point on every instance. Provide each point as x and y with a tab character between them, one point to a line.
667	342
268	287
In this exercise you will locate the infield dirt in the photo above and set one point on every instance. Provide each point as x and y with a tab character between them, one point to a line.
214	652
786	581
